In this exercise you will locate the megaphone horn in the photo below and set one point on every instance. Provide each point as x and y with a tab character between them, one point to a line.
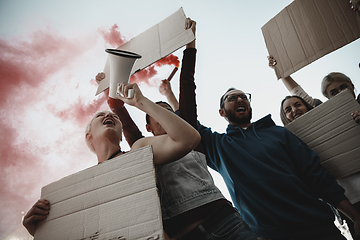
121	64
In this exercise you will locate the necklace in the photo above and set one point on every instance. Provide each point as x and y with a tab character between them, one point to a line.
116	153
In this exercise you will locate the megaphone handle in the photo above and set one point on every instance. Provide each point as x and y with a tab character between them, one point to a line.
130	92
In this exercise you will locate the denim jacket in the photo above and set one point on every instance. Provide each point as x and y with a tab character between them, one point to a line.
185	184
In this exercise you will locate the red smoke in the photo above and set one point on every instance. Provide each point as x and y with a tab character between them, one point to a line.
32	62
81	111
144	75
25	66
112	37
20	173
168	60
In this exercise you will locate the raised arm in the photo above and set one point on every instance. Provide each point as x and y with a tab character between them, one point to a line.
192	25
165	89
187	101
165	86
180	139
130	130
293	87
289	83
187	108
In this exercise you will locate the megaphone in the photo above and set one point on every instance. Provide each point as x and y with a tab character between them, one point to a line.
121	64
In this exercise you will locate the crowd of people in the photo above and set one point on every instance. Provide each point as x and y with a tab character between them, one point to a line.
279	189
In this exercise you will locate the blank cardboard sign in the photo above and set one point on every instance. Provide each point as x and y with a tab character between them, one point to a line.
331	132
116	199
306	30
155	43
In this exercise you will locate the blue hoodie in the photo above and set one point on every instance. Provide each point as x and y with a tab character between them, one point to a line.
274	179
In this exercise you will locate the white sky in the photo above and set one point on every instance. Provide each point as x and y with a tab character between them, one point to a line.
231	53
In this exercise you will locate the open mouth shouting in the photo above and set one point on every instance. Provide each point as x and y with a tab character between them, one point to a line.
108	121
240	109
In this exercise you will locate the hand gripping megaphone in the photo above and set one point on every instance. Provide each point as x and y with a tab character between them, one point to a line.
121	64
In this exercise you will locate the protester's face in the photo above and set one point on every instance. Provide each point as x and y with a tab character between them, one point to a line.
337	86
293	108
154	127
237	109
106	124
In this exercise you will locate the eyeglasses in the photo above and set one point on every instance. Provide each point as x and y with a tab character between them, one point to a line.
233	98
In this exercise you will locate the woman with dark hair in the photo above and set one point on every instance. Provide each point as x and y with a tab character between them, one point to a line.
293	107
332	84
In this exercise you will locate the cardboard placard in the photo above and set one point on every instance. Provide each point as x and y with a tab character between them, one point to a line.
155	43
331	132
306	30
116	199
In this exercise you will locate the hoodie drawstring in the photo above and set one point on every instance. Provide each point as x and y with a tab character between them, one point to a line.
242	132
256	133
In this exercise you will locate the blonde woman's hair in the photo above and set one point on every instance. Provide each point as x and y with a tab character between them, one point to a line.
331	77
87	130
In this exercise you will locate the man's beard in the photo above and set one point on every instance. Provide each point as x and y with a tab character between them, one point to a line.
232	118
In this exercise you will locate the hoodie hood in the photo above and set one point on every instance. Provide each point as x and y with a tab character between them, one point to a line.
261	123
